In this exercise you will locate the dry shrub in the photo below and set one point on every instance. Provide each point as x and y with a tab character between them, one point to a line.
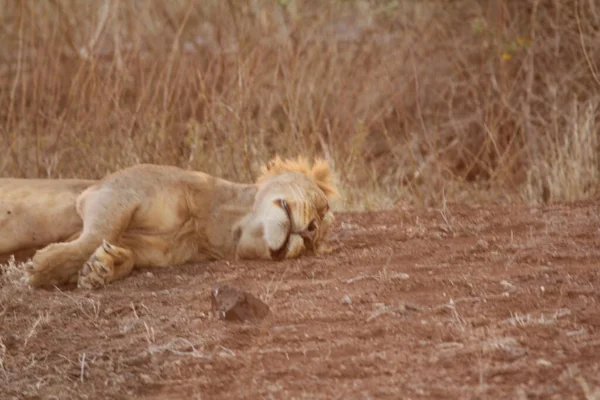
412	101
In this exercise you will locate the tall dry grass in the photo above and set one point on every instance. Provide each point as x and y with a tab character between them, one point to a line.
411	101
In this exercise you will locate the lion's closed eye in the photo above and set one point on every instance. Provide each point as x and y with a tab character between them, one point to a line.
285	206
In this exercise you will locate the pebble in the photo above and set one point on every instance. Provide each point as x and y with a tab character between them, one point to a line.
507	285
482	245
543	363
401	276
346	300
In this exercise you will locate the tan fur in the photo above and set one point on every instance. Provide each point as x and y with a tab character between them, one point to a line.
319	172
94	232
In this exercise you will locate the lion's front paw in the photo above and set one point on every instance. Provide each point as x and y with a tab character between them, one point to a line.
98	270
37	276
29	274
94	275
295	246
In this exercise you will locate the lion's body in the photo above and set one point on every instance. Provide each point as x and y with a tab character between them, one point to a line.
36	212
157	216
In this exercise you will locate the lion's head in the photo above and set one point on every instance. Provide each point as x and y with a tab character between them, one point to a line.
292	212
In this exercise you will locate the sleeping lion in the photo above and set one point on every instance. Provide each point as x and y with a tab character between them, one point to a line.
95	232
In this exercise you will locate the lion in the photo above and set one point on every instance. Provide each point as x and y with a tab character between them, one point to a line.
94	232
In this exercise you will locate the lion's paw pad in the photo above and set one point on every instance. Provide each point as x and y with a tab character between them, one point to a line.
93	275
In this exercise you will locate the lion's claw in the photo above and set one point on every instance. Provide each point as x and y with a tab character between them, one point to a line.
93	275
98	270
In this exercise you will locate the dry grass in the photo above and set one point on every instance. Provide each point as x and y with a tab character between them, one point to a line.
420	102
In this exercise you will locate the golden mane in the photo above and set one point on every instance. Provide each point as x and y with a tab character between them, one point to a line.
319	172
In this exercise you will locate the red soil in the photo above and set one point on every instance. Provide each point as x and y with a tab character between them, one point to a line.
485	302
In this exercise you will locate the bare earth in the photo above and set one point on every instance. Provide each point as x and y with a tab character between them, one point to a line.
486	302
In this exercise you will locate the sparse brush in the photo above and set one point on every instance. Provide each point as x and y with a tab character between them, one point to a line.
571	169
11	272
418	102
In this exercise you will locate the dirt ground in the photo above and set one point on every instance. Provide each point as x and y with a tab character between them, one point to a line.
465	302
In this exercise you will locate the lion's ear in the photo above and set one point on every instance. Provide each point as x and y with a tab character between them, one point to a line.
323	177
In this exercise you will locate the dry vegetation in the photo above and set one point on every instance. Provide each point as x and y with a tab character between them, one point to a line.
412	101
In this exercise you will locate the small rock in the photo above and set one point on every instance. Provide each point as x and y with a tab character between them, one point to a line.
509	287
233	304
401	276
563	312
149	275
543	363
379	311
346	300
413	306
482	245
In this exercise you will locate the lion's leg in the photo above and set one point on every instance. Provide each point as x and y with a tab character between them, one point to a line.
108	263
322	246
266	236
56	264
311	239
270	234
59	263
295	246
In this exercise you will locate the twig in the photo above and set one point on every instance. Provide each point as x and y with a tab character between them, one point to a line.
380	311
150	337
184	343
358	278
104	14
585	52
15	82
587	391
32	331
82	368
2	355
134	312
227	351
